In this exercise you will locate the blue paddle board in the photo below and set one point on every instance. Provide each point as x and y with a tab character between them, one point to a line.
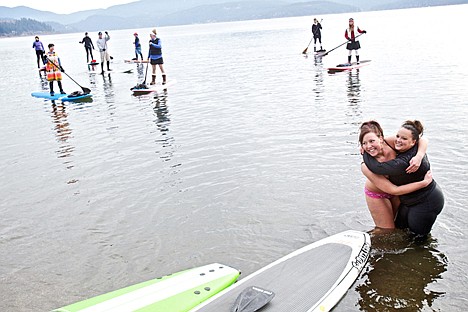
61	97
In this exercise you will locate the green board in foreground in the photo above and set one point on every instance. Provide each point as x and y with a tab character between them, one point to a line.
175	292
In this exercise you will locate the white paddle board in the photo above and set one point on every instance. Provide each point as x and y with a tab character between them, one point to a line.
158	87
313	278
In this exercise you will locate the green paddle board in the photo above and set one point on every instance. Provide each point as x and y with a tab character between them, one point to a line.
176	292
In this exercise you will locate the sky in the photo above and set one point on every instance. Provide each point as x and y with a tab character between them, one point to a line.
64	6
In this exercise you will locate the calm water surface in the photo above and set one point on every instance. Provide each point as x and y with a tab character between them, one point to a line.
251	155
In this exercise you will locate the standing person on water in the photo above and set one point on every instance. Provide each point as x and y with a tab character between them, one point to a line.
137	47
89	47
39	47
102	46
54	69
155	56
353	44
316	32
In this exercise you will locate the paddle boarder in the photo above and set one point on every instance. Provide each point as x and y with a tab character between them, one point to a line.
316	32
353	43
155	56
137	47
89	47
102	46
39	48
54	69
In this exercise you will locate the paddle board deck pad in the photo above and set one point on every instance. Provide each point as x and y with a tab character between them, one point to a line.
349	66
74	96
175	292
158	87
135	61
313	278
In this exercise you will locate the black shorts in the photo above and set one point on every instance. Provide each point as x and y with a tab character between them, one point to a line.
353	45
157	61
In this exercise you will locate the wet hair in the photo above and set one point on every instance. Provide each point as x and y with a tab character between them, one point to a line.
36	37
370	126
51	45
415	127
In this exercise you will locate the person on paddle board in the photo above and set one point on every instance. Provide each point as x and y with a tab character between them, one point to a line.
155	57
381	195
102	46
316	32
89	47
353	44
39	48
419	209
54	69
137	47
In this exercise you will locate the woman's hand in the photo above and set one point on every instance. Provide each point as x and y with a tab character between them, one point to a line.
415	162
428	177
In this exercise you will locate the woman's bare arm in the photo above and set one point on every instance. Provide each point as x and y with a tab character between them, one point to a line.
386	186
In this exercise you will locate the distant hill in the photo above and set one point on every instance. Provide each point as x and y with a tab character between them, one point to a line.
24	26
150	13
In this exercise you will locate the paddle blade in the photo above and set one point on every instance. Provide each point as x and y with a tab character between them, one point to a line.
305	50
86	90
252	299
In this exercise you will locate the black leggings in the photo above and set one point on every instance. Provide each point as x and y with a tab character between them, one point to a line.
420	217
319	38
89	52
40	55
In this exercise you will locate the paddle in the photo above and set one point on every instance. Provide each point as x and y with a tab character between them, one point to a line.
342	44
252	299
85	90
305	50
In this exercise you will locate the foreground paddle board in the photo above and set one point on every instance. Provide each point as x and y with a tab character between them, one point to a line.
343	67
175	292
61	97
158	87
313	278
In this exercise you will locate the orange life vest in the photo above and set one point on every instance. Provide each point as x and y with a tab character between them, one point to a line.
53	70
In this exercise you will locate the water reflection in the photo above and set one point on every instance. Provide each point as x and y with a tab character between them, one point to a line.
63	133
400	273
163	122
354	87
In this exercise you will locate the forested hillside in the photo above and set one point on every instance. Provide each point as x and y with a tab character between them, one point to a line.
24	26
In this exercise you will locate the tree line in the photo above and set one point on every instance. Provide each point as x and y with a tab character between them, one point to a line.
24	26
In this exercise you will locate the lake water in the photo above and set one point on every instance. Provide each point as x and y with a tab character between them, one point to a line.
251	155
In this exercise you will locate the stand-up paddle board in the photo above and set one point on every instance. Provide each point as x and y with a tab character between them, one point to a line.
175	292
313	278
62	97
135	61
348	66
158	87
